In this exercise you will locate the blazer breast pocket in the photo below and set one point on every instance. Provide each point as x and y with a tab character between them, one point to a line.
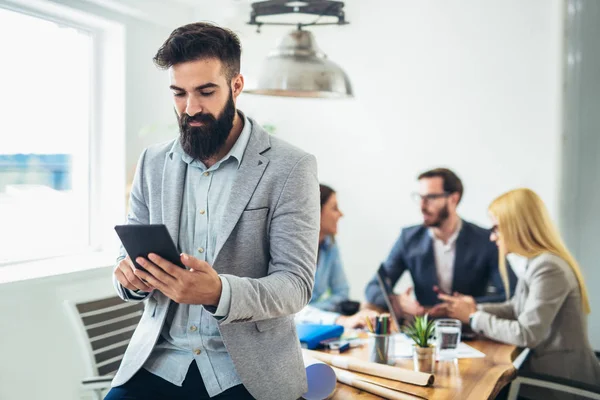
257	214
268	324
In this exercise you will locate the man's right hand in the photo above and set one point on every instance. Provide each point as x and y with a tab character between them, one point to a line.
127	279
407	304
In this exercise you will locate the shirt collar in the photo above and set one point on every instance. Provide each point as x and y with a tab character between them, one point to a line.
452	238
326	243
237	151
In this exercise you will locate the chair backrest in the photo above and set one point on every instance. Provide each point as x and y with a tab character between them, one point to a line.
104	327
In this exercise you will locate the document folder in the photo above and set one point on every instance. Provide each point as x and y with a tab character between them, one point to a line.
311	334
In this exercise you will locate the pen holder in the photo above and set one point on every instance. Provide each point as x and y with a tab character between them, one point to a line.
381	349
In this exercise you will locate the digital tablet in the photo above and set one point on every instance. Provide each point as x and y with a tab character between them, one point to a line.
141	240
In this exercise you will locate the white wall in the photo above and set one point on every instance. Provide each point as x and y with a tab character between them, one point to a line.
150	117
472	85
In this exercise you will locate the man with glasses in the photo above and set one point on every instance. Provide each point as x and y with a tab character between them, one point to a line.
443	255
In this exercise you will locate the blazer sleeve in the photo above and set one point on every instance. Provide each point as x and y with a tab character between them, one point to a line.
338	283
505	310
394	266
294	236
495	279
138	214
547	293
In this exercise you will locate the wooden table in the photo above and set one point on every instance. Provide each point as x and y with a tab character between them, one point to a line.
468	379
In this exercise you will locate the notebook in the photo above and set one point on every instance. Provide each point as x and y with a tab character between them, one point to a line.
311	334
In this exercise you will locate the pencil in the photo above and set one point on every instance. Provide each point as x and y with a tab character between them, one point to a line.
369	324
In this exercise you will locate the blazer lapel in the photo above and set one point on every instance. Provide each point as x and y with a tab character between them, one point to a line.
173	182
244	184
429	266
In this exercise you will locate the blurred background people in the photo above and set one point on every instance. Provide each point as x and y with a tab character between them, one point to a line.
331	285
330	300
445	254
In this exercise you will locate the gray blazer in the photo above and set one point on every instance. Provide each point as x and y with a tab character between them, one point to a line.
266	247
546	316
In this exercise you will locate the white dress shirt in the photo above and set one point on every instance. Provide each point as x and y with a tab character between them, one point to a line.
444	254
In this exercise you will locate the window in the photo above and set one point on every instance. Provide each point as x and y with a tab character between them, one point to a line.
52	147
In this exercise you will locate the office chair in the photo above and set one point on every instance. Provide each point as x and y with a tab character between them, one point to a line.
583	390
103	328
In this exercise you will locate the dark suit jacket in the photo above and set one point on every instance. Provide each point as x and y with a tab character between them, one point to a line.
475	266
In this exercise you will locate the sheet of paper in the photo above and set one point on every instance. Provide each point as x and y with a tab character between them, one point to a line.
403	349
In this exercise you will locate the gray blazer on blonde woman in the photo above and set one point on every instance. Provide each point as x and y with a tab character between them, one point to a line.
546	316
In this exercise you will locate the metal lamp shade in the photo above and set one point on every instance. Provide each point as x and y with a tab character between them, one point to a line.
298	68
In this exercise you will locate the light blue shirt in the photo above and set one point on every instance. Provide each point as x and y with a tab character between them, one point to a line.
191	332
331	284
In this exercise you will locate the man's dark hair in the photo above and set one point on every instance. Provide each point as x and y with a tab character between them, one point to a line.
451	182
198	41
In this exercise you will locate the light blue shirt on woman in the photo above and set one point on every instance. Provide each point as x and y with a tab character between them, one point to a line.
331	285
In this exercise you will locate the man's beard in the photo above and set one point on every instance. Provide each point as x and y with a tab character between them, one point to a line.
203	142
442	216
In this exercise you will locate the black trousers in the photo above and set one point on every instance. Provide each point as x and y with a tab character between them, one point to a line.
147	386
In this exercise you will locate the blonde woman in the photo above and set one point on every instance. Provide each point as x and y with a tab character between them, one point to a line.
548	312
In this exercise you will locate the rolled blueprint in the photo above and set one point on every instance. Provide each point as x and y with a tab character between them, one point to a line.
353	380
369	368
321	378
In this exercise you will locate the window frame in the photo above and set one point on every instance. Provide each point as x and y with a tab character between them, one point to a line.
106	141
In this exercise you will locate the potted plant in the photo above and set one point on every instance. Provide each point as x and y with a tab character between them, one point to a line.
420	332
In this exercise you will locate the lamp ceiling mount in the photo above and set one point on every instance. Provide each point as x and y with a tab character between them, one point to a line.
320	8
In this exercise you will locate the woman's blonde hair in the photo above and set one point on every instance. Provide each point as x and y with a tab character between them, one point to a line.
526	229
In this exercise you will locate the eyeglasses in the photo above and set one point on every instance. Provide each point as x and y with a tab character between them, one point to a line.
428	197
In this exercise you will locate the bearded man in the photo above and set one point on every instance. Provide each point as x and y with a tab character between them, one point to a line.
243	208
444	254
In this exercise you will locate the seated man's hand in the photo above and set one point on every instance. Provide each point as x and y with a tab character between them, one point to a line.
407	304
438	311
358	320
459	306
